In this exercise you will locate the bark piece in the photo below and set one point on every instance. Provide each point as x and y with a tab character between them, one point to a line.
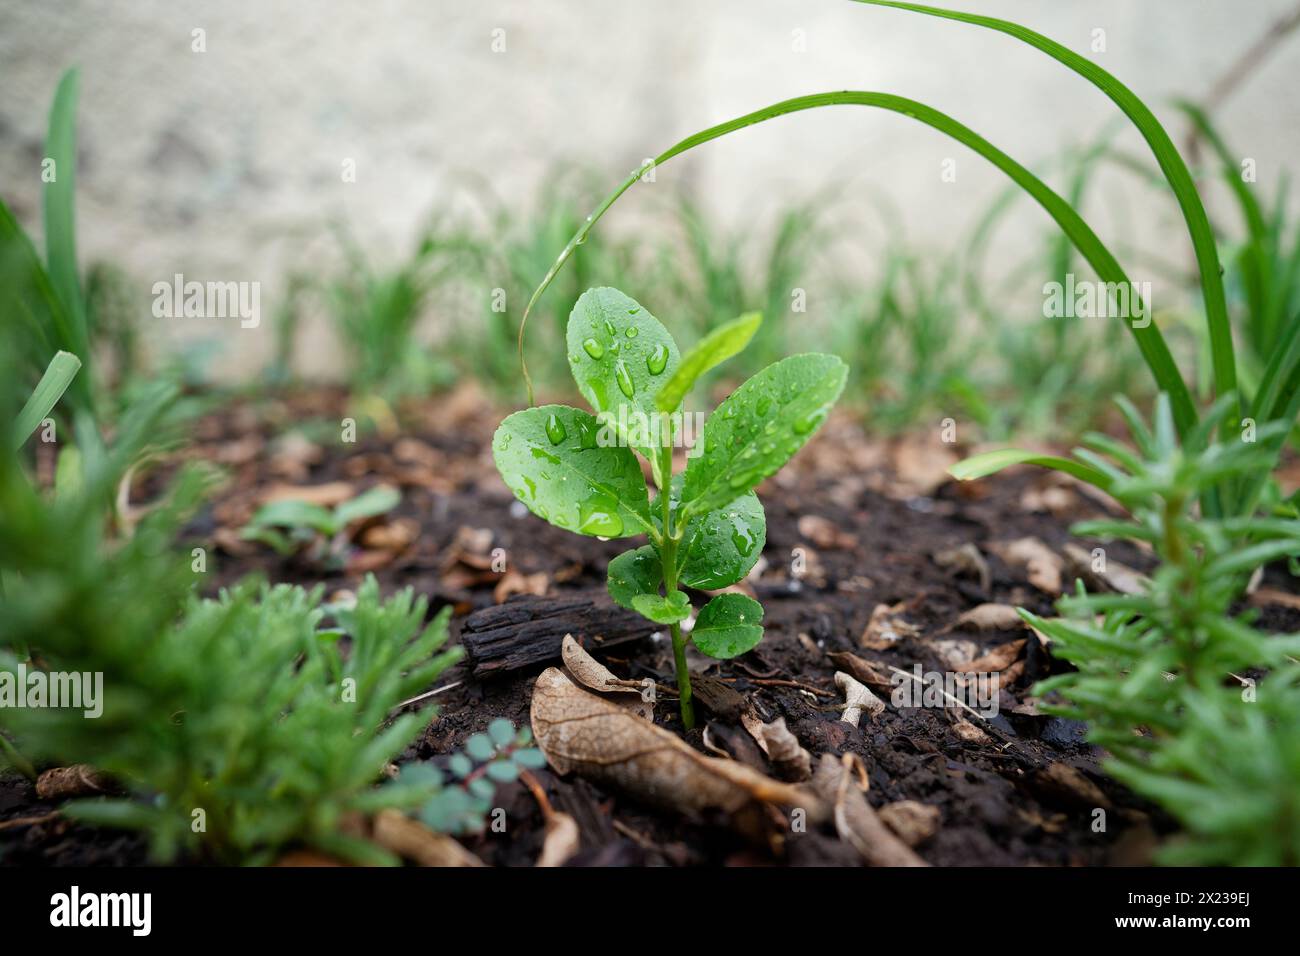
530	630
64	783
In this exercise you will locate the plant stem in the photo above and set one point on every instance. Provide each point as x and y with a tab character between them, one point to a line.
668	561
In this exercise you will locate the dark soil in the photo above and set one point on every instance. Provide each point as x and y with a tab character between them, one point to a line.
888	512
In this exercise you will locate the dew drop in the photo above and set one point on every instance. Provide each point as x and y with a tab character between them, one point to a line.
657	360
764	406
592	348
624	379
555	429
632	331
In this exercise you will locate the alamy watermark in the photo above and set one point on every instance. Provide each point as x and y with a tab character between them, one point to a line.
76	690
636	429
977	690
179	299
1085	299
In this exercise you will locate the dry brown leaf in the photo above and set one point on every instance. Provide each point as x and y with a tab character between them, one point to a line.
969	733
788	756
1043	567
966	560
912	821
581	732
990	617
862	669
512	583
394	535
825	534
1117	577
856	821
887	627
1065	784
955	653
999	658
327	495
412	840
594	675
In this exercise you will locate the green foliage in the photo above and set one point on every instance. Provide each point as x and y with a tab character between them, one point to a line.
488	759
706	526
1160	673
290	526
58	376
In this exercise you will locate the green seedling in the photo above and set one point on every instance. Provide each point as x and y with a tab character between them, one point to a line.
706	526
291	526
464	793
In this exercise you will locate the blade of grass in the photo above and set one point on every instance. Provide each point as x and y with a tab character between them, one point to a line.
1170	162
980	466
1149	339
58	376
60	209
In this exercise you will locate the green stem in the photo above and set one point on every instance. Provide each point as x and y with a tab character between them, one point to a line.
668	561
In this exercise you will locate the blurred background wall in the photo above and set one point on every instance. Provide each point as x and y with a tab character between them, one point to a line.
227	164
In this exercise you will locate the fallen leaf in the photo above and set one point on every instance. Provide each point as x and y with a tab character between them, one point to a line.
912	821
990	617
512	583
1062	784
856	821
825	534
412	840
887	627
862	669
966	560
327	495
791	760
581	732
1043	567
1116	577
594	675
999	658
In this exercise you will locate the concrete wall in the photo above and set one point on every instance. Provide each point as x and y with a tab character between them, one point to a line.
225	164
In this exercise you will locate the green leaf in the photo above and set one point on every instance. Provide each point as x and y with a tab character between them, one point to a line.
479	747
728	626
1150	341
634	573
60	207
532	758
720	548
501	731
759	426
661	609
715	348
549	457
979	466
621	356
376	501
290	513
1180	181
58	376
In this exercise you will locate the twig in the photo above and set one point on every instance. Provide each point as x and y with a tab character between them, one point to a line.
428	694
29	821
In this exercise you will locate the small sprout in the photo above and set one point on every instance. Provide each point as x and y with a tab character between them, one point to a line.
491	758
290	525
706	526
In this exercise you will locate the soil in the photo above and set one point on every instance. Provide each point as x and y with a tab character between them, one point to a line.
853	523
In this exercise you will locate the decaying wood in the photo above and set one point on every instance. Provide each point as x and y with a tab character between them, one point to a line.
79	780
528	630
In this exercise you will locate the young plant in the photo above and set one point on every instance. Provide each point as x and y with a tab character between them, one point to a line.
706	526
290	526
1168	680
495	757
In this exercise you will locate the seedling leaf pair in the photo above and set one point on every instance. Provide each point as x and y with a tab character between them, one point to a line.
706	526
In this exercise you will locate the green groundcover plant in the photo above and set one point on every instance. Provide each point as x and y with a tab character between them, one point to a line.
706	526
291	525
1197	708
